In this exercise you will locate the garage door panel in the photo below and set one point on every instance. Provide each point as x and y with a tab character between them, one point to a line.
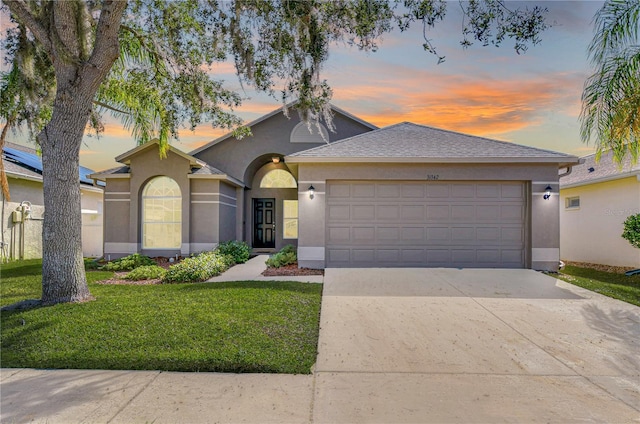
389	191
388	212
437	212
428	223
340	235
363	255
412	212
363	191
413	191
438	235
412	256
388	255
512	191
465	213
339	190
413	234
435	191
391	234
362	234
338	212
363	212
463	191
512	212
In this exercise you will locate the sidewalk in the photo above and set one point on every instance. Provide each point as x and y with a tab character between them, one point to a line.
395	345
252	271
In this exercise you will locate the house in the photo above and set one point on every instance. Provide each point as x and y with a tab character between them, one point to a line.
595	200
22	217
404	195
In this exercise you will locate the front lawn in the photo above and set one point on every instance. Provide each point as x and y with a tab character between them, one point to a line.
224	327
617	286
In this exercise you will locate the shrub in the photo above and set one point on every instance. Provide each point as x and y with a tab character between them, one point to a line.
631	231
91	264
198	268
129	262
286	256
146	272
239	250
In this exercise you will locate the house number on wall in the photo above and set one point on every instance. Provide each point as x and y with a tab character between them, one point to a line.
433	177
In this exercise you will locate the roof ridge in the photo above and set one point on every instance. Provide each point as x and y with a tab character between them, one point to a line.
490	139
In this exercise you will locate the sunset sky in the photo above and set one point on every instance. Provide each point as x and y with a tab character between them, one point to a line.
531	99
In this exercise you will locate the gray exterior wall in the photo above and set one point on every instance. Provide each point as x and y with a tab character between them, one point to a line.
543	249
117	213
270	137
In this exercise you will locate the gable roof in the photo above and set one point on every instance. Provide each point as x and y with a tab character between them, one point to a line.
607	169
24	162
408	142
126	156
199	168
273	113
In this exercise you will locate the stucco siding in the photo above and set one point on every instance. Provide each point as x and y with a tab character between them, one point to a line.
541	215
117	213
92	223
592	232
271	136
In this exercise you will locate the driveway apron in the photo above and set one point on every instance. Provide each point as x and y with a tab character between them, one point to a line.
471	345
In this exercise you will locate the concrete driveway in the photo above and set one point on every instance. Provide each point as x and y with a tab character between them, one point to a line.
447	345
396	346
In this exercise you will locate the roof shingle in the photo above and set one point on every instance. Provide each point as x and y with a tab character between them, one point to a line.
604	170
411	141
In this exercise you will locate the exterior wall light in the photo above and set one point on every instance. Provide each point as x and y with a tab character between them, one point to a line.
275	159
312	191
547	193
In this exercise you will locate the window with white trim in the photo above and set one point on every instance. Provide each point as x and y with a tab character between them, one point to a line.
572	202
278	178
290	219
161	214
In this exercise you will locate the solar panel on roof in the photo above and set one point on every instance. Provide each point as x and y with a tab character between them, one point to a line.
27	159
35	163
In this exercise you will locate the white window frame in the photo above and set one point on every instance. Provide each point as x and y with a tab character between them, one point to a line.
286	219
569	206
176	223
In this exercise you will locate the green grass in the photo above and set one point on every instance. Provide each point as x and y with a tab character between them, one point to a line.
223	327
617	286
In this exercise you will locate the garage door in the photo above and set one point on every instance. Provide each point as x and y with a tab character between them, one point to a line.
425	223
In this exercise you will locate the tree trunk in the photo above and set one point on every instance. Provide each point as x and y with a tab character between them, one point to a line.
63	275
79	69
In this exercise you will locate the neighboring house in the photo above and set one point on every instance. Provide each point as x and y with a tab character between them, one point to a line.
595	199
404	195
22	217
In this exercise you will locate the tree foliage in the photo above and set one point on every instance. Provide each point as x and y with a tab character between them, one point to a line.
611	97
151	64
631	231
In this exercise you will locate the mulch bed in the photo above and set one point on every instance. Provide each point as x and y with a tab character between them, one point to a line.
285	271
118	277
600	267
291	270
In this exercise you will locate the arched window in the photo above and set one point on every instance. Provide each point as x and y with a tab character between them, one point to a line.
161	214
278	178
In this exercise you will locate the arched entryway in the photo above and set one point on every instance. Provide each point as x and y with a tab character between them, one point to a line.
272	208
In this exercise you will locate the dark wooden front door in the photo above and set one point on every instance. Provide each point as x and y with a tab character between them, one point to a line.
264	223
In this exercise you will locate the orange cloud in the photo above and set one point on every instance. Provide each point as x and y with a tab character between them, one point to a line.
479	104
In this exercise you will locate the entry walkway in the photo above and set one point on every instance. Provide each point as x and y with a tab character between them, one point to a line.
252	271
402	346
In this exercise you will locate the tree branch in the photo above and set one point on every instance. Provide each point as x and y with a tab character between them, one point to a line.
21	11
106	48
